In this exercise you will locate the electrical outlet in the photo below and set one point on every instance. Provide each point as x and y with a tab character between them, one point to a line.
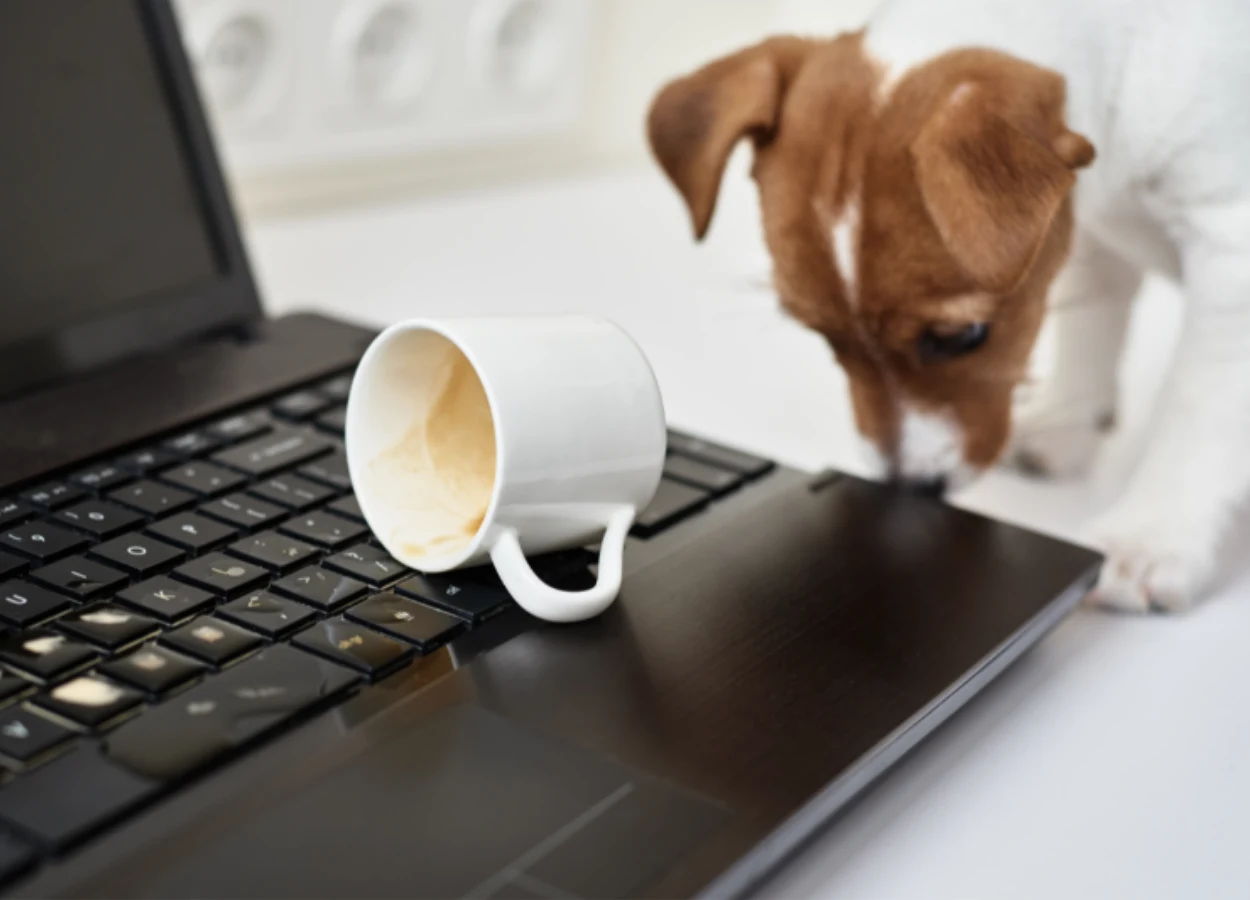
243	52
519	49
320	89
382	55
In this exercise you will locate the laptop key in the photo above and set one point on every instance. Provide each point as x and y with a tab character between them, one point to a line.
701	475
41	540
355	646
329	470
138	554
324	529
279	449
89	701
12	687
327	591
203	478
72	797
301	405
348	507
99	518
79	577
407	620
369	564
101	478
334	421
194	532
243	511
292	492
53	495
152	498
25	735
192	443
221	574
337	389
672	503
13	512
456	594
716	455
44	655
23	604
154	670
11	564
274	551
242	426
212	640
143	461
166	599
268	614
107	626
226	712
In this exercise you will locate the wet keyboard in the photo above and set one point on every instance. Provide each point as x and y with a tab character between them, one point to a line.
165	609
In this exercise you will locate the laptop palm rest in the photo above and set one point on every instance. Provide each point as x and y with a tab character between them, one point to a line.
473	805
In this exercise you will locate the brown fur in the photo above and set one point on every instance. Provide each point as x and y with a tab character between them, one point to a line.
961	173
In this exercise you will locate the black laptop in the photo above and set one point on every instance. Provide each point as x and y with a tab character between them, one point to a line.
215	683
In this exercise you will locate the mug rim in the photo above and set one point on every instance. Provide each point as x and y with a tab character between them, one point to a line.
445	563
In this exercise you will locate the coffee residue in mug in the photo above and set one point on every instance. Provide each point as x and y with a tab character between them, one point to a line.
441	473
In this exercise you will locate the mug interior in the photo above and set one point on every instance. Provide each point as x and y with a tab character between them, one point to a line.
428	449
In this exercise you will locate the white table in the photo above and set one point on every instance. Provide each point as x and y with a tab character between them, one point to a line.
1114	760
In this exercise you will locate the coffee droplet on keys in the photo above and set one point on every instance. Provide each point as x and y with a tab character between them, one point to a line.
439	477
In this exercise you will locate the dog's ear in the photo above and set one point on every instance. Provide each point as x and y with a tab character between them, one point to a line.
992	179
694	122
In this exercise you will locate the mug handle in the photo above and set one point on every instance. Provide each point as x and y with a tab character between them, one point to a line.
540	599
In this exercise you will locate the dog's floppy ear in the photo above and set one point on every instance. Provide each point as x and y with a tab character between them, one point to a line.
993	181
695	121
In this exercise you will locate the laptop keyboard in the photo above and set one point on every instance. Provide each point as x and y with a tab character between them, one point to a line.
164	610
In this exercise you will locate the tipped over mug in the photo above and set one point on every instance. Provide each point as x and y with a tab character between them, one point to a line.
496	438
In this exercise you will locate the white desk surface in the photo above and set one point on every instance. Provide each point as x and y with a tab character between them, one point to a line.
1113	761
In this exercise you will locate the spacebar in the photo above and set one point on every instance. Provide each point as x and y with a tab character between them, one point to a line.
71	797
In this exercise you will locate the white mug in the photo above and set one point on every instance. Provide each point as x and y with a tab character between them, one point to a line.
494	438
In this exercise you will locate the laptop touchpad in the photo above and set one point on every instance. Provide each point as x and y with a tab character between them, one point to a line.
464	804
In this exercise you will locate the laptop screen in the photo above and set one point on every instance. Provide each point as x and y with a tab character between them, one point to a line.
101	212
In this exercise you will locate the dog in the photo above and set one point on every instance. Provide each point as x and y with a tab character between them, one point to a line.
932	184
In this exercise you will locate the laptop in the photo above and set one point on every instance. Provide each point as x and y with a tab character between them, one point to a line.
214	682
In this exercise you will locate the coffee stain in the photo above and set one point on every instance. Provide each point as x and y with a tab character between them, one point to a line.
441	473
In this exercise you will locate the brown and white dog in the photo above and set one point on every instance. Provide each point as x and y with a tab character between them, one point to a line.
921	201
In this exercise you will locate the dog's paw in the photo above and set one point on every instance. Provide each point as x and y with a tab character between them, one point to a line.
1151	565
1051	446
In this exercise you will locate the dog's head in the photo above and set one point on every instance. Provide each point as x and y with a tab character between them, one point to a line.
915	222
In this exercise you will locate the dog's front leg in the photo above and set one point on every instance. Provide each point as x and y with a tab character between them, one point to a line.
1059	430
1162	537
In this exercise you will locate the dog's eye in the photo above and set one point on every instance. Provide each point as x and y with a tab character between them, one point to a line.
941	342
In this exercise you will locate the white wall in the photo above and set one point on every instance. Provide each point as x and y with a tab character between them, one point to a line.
637	46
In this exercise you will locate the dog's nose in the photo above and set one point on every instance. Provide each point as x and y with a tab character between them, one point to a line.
934	486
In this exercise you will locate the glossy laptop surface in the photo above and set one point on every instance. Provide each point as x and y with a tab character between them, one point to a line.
215	683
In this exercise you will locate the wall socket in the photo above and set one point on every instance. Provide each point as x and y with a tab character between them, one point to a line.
302	85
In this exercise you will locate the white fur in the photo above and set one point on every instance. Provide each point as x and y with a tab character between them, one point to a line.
931	445
874	462
1159	87
845	249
